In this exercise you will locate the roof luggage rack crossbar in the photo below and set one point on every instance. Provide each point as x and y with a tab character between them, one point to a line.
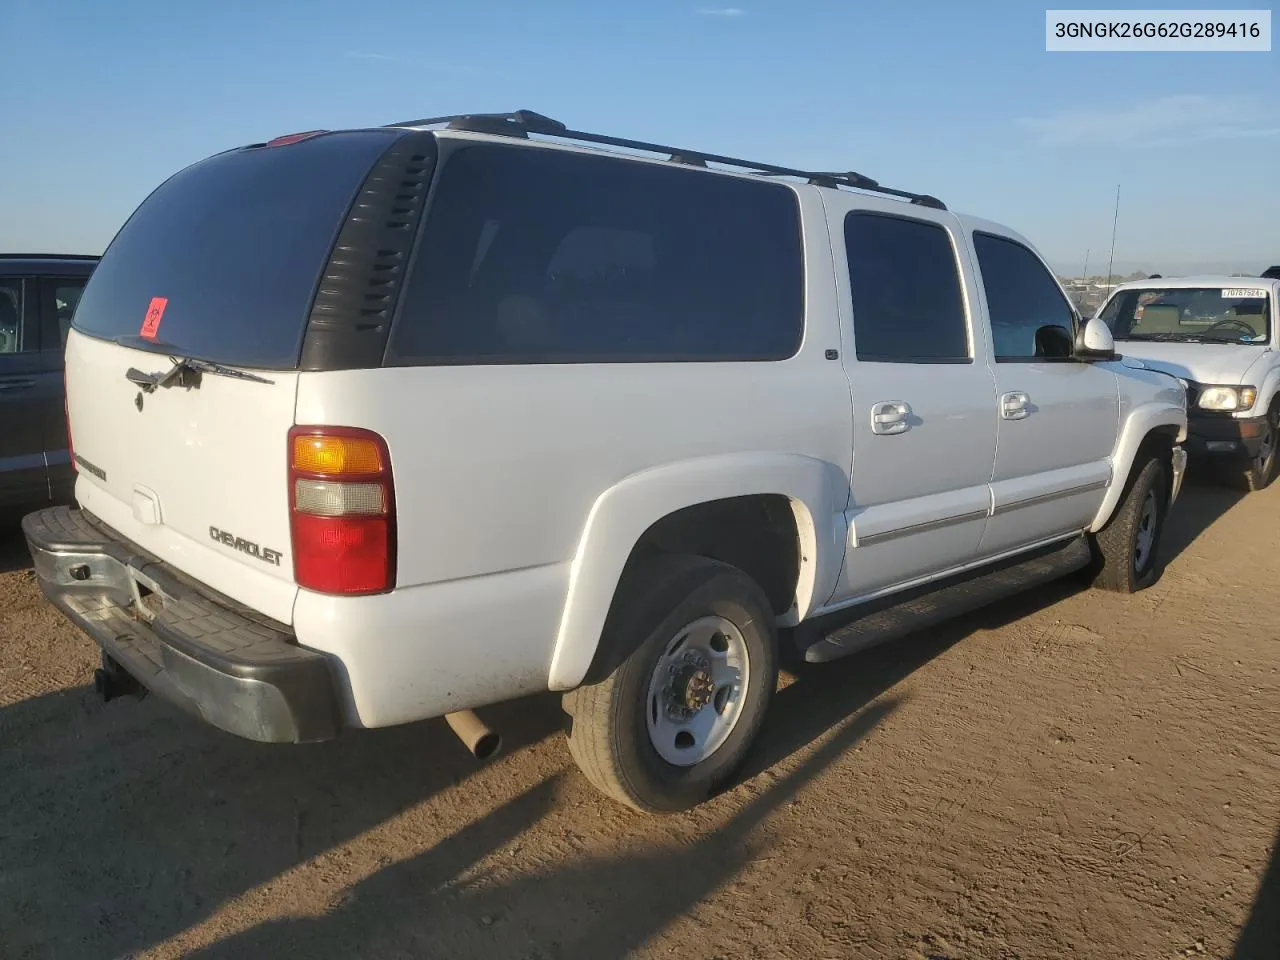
521	123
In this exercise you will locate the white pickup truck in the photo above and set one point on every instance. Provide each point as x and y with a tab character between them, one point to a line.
1218	335
425	417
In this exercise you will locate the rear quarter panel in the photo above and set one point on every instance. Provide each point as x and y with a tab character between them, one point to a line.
497	473
501	470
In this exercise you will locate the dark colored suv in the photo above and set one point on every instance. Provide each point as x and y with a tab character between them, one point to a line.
38	295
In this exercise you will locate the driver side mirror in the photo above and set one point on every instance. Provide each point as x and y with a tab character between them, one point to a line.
1095	342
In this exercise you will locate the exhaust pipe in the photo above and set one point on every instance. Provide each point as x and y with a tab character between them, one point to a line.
475	735
111	681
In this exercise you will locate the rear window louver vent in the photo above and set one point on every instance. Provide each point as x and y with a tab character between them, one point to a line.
357	295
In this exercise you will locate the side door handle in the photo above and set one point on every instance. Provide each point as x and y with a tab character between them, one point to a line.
1014	405
890	417
13	386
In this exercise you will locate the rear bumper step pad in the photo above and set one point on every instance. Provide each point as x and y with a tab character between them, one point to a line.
221	662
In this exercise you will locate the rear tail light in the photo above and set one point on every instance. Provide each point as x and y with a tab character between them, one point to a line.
342	510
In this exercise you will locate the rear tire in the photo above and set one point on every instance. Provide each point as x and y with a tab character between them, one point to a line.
1126	549
670	726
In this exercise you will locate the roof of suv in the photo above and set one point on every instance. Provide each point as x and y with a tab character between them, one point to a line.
50	264
523	123
1207	280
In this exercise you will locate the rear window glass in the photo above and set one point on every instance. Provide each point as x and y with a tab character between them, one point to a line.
235	245
539	256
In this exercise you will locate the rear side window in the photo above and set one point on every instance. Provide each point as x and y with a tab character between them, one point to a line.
234	247
61	294
540	256
12	297
908	305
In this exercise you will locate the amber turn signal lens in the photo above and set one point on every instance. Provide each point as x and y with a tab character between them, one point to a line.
336	456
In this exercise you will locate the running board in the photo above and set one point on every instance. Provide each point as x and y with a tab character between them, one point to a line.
889	618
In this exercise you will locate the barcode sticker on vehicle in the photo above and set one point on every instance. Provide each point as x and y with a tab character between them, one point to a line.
1243	293
151	322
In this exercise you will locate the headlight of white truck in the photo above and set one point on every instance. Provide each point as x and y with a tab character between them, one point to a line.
1226	399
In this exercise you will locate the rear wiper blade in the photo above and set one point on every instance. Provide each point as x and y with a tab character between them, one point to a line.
208	366
180	371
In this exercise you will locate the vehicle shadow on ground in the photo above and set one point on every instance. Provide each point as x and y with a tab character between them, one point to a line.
824	694
1202	502
126	824
608	908
588	908
1260	937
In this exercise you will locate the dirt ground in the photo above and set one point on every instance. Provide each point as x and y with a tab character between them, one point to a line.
1070	774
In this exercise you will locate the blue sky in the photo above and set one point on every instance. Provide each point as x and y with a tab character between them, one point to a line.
102	101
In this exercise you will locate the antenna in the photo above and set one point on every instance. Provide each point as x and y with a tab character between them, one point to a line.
1114	221
1083	295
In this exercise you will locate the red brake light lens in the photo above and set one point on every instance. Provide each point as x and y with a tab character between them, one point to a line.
342	510
289	138
344	555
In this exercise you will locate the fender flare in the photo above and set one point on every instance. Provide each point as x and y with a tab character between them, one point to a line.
1268	389
818	492
1139	423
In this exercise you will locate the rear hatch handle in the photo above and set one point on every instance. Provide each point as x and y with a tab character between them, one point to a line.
186	372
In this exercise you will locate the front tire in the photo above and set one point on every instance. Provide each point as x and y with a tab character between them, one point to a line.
1125	550
675	720
1261	469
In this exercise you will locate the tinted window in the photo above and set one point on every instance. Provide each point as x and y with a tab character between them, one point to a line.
907	300
65	295
540	256
236	245
1022	297
11	300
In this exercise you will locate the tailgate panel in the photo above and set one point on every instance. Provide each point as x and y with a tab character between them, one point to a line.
196	475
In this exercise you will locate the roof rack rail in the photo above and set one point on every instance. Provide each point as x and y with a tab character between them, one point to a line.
49	256
521	123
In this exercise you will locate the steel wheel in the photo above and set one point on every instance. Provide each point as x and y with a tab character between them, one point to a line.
672	721
1146	532
1266	453
697	690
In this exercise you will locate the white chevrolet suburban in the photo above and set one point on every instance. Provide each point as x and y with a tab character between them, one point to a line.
385	424
1218	335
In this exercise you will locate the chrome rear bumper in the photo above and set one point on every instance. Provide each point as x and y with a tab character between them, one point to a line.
200	651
